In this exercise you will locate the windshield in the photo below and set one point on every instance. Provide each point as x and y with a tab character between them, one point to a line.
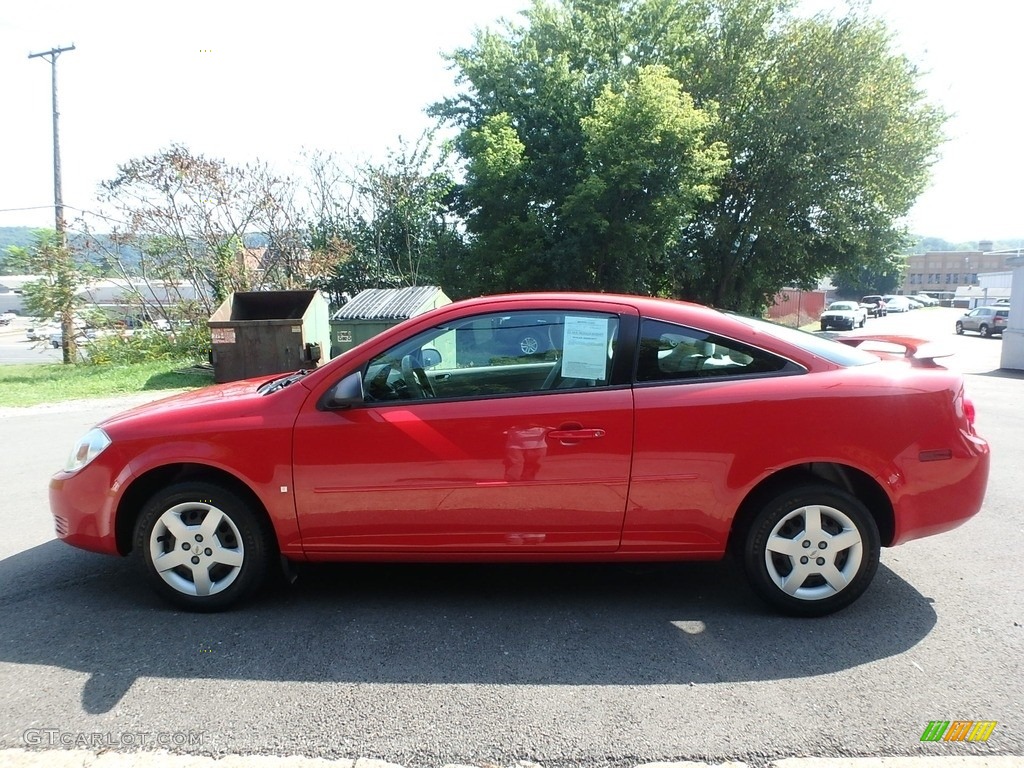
816	344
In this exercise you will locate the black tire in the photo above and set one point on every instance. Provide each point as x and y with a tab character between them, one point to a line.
959	328
831	577
983	330
824	326
234	557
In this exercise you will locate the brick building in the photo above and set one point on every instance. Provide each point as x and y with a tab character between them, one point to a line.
948	270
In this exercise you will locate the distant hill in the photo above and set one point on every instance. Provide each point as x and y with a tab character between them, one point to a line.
19	236
925	244
98	249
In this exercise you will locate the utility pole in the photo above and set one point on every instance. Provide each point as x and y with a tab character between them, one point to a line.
67	319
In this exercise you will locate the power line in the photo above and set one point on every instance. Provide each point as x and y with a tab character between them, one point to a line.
85	211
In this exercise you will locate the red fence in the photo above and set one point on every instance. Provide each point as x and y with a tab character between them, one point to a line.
795	307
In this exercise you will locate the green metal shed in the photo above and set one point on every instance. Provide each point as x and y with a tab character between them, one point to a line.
377	309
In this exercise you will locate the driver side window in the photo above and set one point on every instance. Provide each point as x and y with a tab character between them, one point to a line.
497	354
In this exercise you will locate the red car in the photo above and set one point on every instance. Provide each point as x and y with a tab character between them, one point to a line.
648	430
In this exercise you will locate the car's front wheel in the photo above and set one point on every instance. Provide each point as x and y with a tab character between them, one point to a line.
812	550
201	546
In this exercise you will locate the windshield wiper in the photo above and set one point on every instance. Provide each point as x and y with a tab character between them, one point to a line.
275	384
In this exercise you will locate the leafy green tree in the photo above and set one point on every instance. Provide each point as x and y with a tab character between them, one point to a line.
711	149
881	275
57	292
583	162
831	140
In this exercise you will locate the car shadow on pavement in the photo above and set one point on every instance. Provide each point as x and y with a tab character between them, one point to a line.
1003	373
647	624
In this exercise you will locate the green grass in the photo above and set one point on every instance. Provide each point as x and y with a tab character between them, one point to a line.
24	385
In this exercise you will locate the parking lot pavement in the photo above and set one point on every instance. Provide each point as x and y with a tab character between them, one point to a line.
16	348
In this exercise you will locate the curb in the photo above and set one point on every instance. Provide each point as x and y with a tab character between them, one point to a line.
77	758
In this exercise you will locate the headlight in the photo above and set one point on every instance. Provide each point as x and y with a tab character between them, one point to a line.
87	449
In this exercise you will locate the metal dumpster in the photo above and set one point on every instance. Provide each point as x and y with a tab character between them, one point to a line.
256	333
377	309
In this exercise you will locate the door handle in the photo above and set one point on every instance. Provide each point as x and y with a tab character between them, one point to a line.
575	434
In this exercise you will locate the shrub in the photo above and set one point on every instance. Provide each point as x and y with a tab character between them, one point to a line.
187	342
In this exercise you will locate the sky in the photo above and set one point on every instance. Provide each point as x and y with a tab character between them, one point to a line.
242	81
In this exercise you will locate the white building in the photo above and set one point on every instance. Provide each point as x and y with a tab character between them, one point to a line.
113	294
991	286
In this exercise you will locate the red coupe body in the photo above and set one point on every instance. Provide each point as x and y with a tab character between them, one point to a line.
438	440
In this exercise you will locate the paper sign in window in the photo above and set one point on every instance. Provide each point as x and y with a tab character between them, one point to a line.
585	348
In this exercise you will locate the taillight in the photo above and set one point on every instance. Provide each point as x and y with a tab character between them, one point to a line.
969	410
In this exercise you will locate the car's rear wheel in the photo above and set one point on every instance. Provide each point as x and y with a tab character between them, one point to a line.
201	546
983	330
812	550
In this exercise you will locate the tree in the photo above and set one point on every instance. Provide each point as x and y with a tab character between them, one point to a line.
881	275
831	141
57	292
383	224
583	162
593	136
190	217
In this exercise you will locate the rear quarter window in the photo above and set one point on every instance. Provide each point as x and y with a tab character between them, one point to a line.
670	352
821	346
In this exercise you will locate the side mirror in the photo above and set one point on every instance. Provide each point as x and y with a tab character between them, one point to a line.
345	394
430	358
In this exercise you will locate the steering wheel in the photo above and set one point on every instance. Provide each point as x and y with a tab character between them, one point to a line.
415	379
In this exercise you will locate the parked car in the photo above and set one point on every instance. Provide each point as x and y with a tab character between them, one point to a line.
7	318
925	300
897	304
526	335
844	314
40	331
986	321
874	305
633	443
1001	303
84	334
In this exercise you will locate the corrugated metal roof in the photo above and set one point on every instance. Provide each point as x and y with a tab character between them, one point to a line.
387	303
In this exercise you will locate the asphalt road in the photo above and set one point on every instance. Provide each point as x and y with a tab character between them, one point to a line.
564	666
16	348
